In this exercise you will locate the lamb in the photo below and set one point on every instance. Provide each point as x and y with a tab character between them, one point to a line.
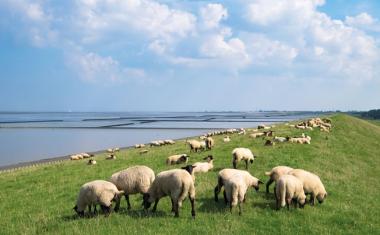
204	166
235	188
312	185
226	139
91	162
195	145
209	143
242	154
177	184
275	174
258	134
111	157
226	174
97	192
177	159
133	180
279	139
287	188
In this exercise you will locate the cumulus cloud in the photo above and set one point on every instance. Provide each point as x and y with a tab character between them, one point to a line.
212	14
363	21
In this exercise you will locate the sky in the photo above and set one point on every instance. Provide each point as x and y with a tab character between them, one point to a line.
189	55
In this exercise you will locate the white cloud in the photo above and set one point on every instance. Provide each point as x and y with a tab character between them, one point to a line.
94	68
212	14
363	21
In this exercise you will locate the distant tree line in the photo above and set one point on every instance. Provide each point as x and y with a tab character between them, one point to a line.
373	114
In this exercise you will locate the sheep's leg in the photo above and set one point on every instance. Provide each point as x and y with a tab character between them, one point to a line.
239	208
106	210
89	209
278	203
225	197
127	198
246	164
234	164
117	205
95	211
288	202
192	201
275	191
172	205
176	209
270	181
312	199
216	192
155	205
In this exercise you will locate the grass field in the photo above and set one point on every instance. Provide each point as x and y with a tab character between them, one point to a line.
39	200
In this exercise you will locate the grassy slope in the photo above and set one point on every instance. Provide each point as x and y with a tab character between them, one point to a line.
40	199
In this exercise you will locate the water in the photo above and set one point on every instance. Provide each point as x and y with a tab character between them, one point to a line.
34	136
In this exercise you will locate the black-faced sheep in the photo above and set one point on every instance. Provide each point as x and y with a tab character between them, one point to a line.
242	154
275	174
204	166
177	159
289	187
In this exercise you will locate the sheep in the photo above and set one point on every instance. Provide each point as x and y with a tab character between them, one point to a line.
202	137
91	162
196	145
139	146
279	139
204	166
144	151
226	139
111	157
97	192
76	157
109	150
324	129
154	143
300	140
242	154
312	185
133	180
300	127
268	133
177	159
258	134
226	174
269	143
287	188
275	174
309	128
176	184
262	126
86	155
169	141
235	188
209	143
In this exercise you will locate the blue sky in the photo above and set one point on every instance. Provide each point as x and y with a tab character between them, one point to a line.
150	55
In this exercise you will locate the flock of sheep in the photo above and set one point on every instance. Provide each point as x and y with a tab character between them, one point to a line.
290	184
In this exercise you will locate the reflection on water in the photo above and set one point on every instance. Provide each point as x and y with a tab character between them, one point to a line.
33	136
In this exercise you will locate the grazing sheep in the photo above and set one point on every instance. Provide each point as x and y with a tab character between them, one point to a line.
299	140
111	157
258	134
279	139
177	184
287	188
226	139
268	133
202	137
139	146
97	192
275	174
169	141
209	143
133	180
177	159
324	129
109	150
204	166
144	151
86	155
76	157
196	145
312	184
242	154
235	188
309	128
226	174
91	162
269	143
154	143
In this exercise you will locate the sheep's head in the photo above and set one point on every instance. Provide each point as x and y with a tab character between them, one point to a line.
146	202
189	168
321	197
208	158
256	185
251	161
80	213
302	200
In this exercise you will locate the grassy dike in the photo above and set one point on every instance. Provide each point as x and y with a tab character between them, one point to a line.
39	200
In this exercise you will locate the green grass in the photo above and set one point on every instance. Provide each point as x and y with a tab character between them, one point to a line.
39	200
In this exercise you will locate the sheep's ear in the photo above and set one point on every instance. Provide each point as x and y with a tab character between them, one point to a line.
196	166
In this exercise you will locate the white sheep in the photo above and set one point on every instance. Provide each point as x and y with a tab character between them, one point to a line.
279	139
97	192
111	157
204	166
288	187
177	184
242	154
226	139
91	162
196	145
209	143
133	180
312	184
169	141
177	159
226	174
76	157
275	174
258	134
236	186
